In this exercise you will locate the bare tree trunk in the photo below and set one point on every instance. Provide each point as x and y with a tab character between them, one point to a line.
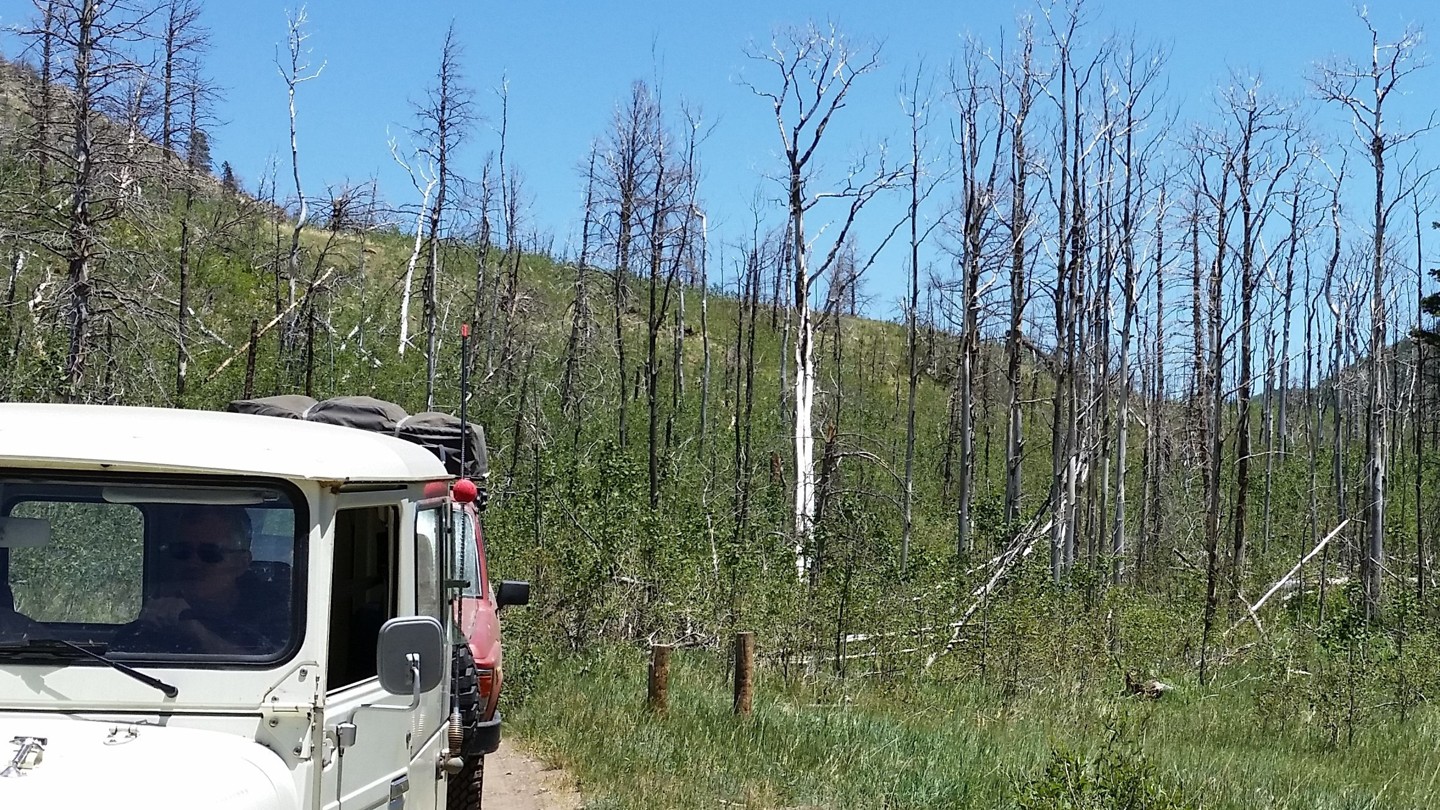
1340	314
443	121
44	111
1282	421
80	239
1376	426
294	73
1213	443
802	117
1363	90
704	332
655	319
487	301
911	330
1059	460
181	38
977	192
182	350
627	158
1313	437
9	335
1024	84
1076	453
1418	412
580	310
407	283
1134	85
1156	454
804	379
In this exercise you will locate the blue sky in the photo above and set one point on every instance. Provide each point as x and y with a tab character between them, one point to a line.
569	63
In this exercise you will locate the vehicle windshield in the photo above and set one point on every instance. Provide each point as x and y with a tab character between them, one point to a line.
149	570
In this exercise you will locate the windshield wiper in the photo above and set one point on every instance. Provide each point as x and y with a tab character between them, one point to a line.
64	650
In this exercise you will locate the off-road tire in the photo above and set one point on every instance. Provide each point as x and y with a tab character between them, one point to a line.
467	692
465	790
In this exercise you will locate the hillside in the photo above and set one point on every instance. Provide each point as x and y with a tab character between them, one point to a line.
1128	465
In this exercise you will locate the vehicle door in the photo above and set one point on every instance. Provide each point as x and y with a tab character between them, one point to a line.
378	754
476	614
479	623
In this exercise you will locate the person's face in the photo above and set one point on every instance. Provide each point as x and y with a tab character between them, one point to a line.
207	551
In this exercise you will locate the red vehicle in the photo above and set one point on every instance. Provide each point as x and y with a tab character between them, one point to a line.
477	661
478	672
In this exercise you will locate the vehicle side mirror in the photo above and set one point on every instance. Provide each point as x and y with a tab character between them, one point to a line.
512	592
409	646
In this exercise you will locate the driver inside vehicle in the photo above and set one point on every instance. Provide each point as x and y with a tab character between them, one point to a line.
209	602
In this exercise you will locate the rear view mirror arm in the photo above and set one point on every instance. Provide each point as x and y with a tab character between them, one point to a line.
414	659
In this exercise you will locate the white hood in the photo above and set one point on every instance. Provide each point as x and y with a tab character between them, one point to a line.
88	764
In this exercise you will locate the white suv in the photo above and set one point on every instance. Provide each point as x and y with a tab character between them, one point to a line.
219	610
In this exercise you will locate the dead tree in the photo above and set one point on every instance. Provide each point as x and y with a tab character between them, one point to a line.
1070	257
183	41
815	71
1363	88
423	177
92	44
1261	141
1021	80
294	71
194	168
510	212
667	204
486	301
1156	462
628	158
704	330
923	179
578	344
1213	159
42	110
977	196
1137	73
445	118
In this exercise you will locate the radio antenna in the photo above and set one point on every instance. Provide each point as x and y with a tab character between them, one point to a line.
464	392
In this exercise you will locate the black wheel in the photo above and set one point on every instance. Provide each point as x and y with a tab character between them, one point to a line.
466	789
467	693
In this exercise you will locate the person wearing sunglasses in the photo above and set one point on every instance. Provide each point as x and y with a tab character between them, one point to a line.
209	603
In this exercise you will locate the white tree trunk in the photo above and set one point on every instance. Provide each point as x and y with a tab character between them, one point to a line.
804	435
410	266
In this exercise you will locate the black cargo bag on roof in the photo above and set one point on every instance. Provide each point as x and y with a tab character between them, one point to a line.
443	435
287	406
366	413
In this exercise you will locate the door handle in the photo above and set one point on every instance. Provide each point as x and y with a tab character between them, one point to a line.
398	787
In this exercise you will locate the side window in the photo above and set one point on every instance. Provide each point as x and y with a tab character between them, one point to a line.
429	589
465	563
363	590
90	571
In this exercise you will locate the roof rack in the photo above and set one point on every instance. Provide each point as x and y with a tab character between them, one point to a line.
440	433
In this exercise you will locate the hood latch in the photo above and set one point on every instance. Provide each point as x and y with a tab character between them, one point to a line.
28	754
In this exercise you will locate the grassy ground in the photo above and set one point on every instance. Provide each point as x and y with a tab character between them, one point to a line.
862	742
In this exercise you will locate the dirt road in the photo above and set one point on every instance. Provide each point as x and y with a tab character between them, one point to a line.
515	780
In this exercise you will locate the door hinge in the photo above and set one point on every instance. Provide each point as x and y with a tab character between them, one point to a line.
345	734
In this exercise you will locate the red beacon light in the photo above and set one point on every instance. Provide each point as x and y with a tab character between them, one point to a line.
464	491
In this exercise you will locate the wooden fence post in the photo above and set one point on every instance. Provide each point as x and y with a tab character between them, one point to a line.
744	671
658	695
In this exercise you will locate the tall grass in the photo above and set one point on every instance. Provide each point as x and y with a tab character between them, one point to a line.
916	743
